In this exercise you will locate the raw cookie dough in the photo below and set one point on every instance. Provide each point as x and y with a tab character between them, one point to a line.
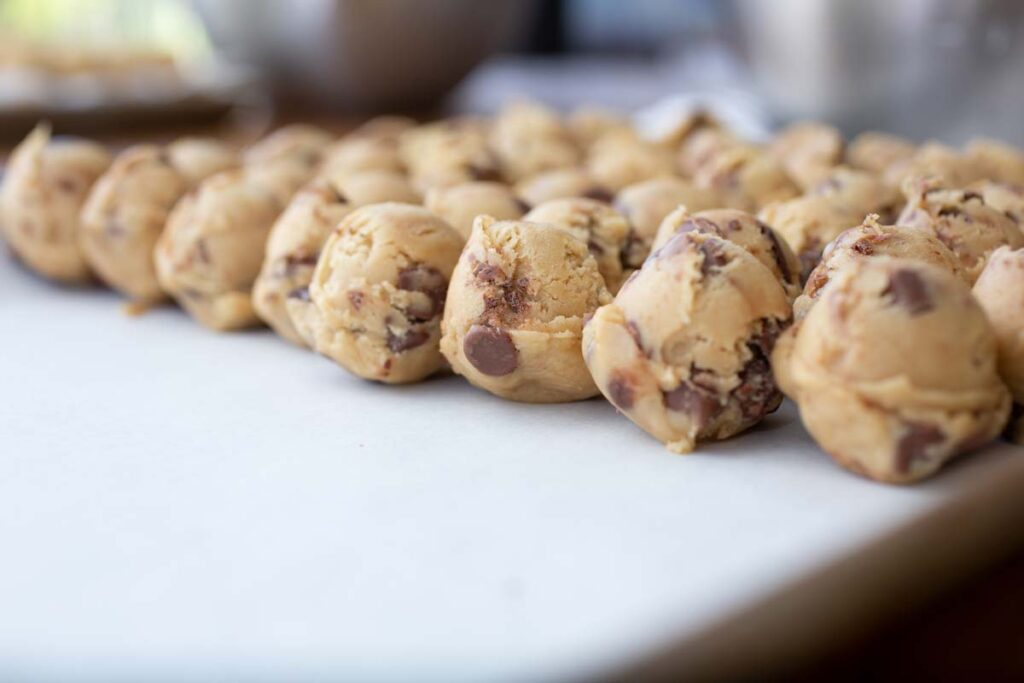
996	161
746	179
528	139
588	124
1000	291
459	205
211	249
963	222
376	187
934	161
872	239
876	152
280	294
604	230
297	142
378	292
129	205
894	369
703	145
683	350
448	152
808	150
1003	197
44	187
645	205
741	229
559	184
515	311
808	223
618	160
862	192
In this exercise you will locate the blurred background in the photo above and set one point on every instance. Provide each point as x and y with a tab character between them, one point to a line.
921	68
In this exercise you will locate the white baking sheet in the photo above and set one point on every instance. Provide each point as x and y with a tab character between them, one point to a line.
179	504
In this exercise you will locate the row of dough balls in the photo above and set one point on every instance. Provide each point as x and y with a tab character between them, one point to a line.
555	259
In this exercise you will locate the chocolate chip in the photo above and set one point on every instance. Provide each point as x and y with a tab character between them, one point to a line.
714	256
68	185
734	225
594	248
356	298
809	258
485	272
907	289
699	404
428	281
970	194
698	224
950	211
300	293
634	332
490	350
509	300
478	172
756	394
914	444
863	247
620	390
777	253
600	194
410	339
523	206
293	262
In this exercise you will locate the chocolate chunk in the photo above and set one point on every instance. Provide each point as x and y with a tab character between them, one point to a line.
714	256
426	280
508	300
971	194
600	194
356	298
620	390
293	262
863	247
410	339
300	293
634	332
757	394
950	211
699	404
522	204
478	172
734	225
809	258
594	248
698	224
490	350
917	438
777	253
907	289
485	272
634	251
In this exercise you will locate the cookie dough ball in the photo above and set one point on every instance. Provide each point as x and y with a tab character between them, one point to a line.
741	229
934	161
356	155
377	187
808	223
44	187
683	350
211	249
746	179
808	150
459	205
604	230
124	216
297	142
996	160
617	161
883	385
280	294
963	222
589	124
447	153
529	138
705	144
515	311
378	292
645	205
871	239
559	184
877	152
1000	291
385	127
860	191
196	159
1002	197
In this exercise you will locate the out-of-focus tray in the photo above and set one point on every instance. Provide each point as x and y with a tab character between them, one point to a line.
184	505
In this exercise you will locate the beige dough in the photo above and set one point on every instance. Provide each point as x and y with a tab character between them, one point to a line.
703	145
872	239
604	230
376	187
129	205
741	229
683	350
883	385
589	124
617	161
350	156
810	222
936	163
963	222
298	142
459	205
529	138
45	185
378	292
808	151
280	294
746	179
877	152
448	152
996	161
1002	197
559	184
515	311
862	192
645	205
1000	291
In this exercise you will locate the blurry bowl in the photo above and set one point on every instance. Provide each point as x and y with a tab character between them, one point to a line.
921	68
360	54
